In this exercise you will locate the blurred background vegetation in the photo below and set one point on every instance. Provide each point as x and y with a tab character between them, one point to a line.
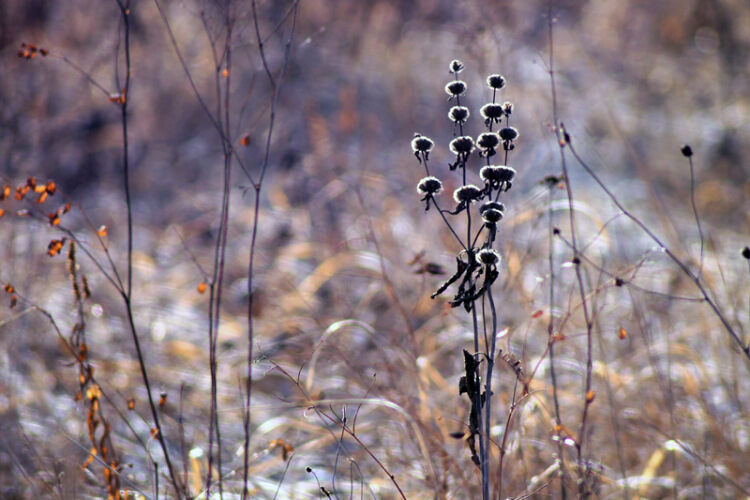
342	233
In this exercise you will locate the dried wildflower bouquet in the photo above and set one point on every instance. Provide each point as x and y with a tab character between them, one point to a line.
478	264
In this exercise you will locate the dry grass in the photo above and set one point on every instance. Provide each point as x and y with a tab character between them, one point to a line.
343	323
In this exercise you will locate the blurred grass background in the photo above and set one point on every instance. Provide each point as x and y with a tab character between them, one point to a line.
636	80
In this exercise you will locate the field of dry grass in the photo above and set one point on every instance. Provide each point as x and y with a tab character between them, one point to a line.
265	198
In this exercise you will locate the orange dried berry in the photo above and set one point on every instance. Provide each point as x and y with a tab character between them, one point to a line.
5	192
131	404
31	182
102	231
537	314
9	288
154	432
44	52
51	187
42	197
54	219
20	194
65	209
622	334
93	392
162	400
54	247
590	396
13	300
2	212
225	72
40	188
245	141
202	287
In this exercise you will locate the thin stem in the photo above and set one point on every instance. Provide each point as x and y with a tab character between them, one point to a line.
276	90
127	294
695	213
551	341
576	259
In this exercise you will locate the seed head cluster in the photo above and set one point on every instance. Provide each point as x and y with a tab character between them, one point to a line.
479	262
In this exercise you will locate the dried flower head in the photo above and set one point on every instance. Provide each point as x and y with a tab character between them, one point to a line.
429	186
467	194
455	88
459	114
496	82
488	141
456	66
508	108
492	212
492	112
462	145
488	257
492	216
496	174
492	205
687	151
422	146
509	134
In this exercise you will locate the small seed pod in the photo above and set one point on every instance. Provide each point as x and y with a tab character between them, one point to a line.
463	145
491	112
496	82
459	114
492	216
456	66
509	134
422	144
429	186
488	141
492	205
498	176
507	108
467	194
455	88
488	257
687	151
